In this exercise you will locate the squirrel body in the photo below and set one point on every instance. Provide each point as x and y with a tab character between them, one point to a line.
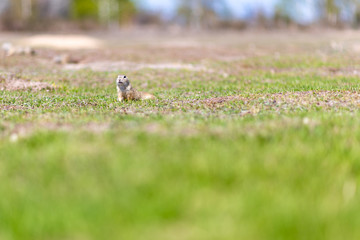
127	92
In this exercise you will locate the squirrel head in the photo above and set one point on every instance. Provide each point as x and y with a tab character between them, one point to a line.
122	82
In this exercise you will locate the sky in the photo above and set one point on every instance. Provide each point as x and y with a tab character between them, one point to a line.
304	12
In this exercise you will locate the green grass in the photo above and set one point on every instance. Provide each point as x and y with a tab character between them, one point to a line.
252	155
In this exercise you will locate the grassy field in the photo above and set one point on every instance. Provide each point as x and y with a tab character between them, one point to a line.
252	136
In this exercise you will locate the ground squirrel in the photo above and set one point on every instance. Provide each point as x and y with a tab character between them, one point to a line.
127	92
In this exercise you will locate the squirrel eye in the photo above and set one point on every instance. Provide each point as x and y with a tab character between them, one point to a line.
124	76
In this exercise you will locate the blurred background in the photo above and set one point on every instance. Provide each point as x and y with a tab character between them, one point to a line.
196	14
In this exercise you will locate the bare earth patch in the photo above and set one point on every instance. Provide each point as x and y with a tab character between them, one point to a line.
306	97
11	107
276	102
62	41
102	66
14	84
324	99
